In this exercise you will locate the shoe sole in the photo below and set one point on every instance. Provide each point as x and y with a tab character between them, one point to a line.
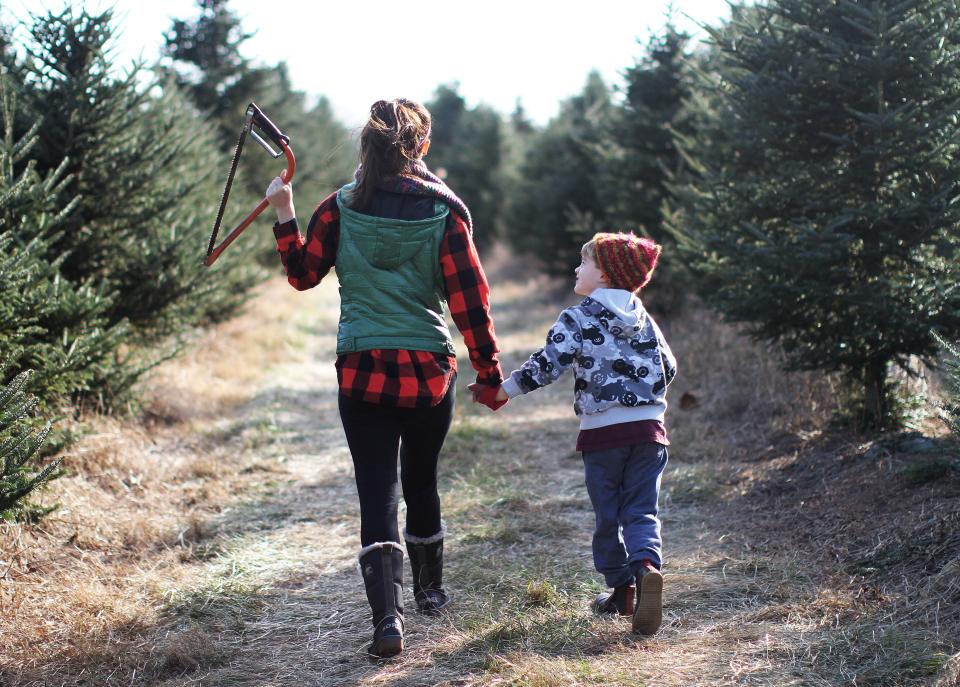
648	612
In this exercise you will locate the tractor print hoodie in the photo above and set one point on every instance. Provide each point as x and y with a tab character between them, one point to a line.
621	361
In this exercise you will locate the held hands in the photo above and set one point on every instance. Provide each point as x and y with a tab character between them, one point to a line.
494	397
280	196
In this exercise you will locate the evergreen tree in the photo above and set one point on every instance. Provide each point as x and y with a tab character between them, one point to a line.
140	174
950	410
20	471
557	203
209	66
49	324
519	135
465	146
204	57
826	216
642	132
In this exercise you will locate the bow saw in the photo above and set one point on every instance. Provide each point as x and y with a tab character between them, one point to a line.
254	118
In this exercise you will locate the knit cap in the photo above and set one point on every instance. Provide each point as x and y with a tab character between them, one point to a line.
627	260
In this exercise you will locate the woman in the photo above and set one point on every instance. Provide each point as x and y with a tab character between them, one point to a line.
402	245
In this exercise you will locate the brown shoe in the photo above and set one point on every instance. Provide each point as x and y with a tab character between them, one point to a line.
619	601
648	610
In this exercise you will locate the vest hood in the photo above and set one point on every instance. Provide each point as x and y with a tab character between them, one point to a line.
388	250
388	243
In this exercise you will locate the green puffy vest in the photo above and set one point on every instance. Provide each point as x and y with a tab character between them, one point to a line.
391	286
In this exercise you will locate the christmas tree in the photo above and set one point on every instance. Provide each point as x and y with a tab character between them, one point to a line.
826	212
643	129
20	470
50	324
138	194
556	203
465	146
950	409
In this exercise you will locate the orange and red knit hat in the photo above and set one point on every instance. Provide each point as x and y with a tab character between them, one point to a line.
627	260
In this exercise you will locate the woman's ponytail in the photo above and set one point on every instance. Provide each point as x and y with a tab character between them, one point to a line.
390	145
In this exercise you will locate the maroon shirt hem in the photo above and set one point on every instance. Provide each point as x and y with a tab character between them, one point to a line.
622	434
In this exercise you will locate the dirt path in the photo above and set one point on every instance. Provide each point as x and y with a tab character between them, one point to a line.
260	585
281	601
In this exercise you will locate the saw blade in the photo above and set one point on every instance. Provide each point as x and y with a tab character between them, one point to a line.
226	189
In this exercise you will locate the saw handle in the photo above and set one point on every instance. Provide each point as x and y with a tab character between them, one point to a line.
266	126
286	175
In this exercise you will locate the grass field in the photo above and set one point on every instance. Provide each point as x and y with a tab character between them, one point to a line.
215	541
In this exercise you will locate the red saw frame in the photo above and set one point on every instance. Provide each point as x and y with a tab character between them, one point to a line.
253	117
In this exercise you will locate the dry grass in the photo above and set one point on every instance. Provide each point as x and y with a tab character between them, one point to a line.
215	543
81	587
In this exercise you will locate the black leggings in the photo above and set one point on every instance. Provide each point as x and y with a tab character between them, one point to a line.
374	433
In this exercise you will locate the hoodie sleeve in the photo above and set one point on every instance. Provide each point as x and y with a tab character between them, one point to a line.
547	365
666	355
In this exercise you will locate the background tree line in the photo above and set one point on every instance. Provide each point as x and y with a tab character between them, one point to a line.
799	168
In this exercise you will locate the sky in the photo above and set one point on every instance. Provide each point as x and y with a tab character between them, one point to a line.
354	53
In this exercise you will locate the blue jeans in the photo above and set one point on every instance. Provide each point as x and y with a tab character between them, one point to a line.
624	486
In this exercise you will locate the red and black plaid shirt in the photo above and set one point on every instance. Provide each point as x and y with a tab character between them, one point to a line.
406	379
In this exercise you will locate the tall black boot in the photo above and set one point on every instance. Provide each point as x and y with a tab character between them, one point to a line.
382	567
426	562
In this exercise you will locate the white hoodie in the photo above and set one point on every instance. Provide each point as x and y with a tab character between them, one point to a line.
620	359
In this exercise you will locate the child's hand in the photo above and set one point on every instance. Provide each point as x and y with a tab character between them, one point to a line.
494	397
280	196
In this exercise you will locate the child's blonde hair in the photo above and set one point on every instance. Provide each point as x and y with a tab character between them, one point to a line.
589	249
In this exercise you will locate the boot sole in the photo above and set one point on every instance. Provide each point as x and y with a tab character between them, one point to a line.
648	611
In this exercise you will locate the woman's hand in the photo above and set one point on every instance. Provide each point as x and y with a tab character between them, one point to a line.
494	397
280	196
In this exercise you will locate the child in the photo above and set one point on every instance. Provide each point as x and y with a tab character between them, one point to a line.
622	365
